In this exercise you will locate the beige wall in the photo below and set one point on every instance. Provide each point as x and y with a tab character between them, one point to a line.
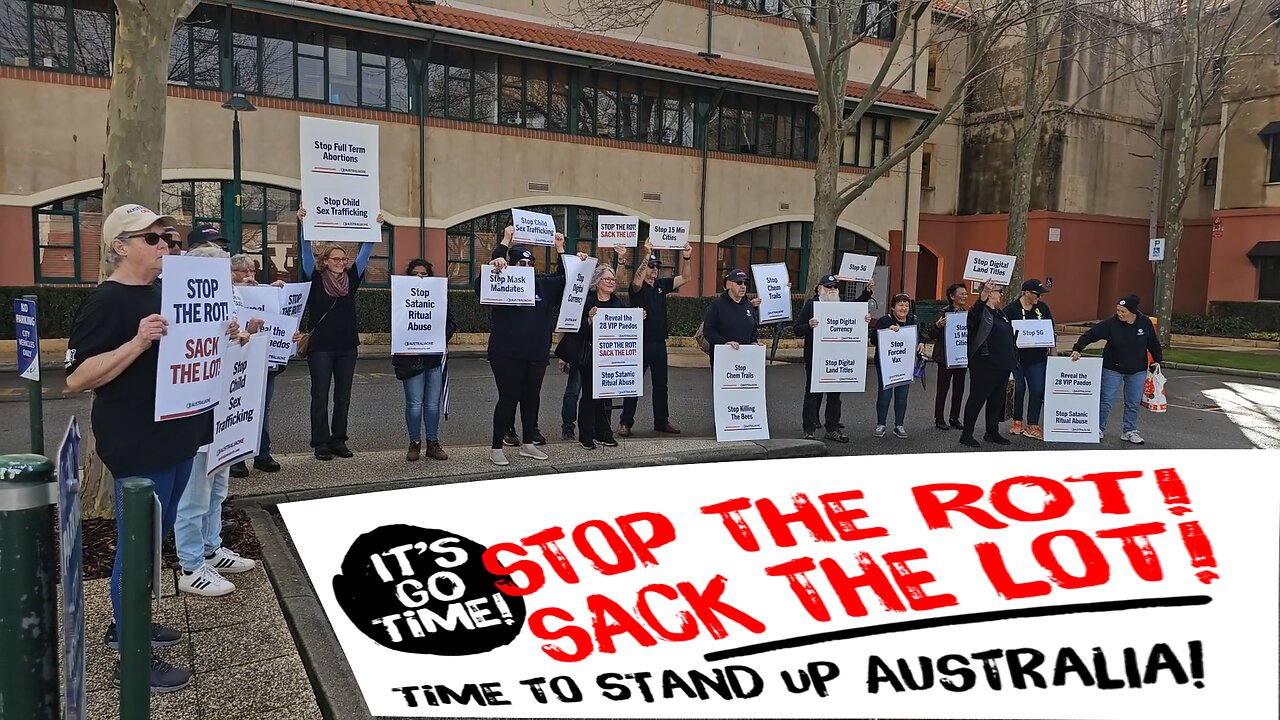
1242	170
1103	171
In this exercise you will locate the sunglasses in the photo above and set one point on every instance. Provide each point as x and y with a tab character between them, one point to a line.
152	239
654	266
738	282
524	263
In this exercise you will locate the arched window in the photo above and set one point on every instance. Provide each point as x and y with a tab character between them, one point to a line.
788	243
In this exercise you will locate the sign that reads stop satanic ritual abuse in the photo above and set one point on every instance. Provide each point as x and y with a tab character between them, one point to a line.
577	276
617	231
983	266
195	297
1071	400
340	179
775	296
668	234
1058	585
738	391
617	355
513	286
897	353
237	423
419	307
839	347
957	340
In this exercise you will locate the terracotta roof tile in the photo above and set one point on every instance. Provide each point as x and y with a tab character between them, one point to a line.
638	52
946	7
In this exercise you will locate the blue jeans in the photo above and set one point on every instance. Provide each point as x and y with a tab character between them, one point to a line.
197	531
899	396
1133	383
1030	380
569	405
423	391
264	446
169	486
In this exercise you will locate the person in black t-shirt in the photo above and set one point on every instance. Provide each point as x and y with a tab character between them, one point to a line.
113	352
650	292
1033	363
992	357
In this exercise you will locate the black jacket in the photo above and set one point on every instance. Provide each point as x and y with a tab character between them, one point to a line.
586	330
801	328
1040	311
523	332
728	321
991	339
407	366
935	333
1127	344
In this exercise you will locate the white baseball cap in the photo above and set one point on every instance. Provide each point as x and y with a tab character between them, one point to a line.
131	219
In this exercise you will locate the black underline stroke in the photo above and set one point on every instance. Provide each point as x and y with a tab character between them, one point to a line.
966	619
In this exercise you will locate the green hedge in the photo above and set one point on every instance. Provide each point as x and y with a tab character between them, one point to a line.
1215	326
55	304
1263	316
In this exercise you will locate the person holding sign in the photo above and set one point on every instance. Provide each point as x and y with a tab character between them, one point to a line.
423	380
113	352
731	318
827	290
1028	376
898	318
333	336
1130	336
244	273
650	292
949	379
992	357
593	414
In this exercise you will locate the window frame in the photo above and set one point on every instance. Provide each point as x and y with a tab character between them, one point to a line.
36	260
928	180
1269	272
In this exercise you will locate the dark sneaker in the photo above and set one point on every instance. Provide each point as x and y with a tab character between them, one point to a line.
940	424
342	451
434	451
957	425
161	636
510	439
836	436
608	441
323	453
538	439
997	439
566	433
808	435
164	677
624	430
240	470
587	444
969	441
267	464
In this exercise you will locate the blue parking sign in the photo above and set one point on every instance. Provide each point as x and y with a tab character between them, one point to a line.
24	321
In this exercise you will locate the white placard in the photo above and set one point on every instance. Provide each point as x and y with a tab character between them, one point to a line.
617	231
617	353
195	298
1072	399
668	234
956	338
533	228
984	266
857	268
263	298
1155	250
279	330
683	591
738	392
419	307
513	286
237	423
772	282
839	347
339	180
1034	333
293	298
577	275
897	353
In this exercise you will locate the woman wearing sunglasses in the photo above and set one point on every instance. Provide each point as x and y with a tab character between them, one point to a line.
423	379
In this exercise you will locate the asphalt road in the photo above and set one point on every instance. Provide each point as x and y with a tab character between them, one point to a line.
1206	411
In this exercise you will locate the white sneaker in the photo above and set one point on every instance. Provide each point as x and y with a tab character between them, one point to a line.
499	458
1133	437
206	581
532	451
228	562
879	431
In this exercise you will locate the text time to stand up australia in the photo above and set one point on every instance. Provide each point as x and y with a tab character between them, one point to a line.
201	354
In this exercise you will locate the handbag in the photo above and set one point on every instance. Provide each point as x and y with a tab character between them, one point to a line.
304	342
572	350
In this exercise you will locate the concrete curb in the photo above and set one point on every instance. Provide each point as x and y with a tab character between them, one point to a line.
1213	370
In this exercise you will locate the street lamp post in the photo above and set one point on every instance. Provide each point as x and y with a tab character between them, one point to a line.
237	104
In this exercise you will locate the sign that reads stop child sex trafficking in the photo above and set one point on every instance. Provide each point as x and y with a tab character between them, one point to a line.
1079	584
195	298
339	180
533	228
617	355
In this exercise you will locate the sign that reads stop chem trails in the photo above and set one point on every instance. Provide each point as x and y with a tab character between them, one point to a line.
419	307
668	234
857	268
984	266
773	286
617	355
1071	400
1083	585
738	392
513	286
533	228
339	180
195	298
839	347
617	231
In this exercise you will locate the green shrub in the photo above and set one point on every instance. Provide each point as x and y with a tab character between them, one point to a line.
1260	315
1213	325
56	306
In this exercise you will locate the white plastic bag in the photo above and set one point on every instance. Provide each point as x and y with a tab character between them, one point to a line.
1153	395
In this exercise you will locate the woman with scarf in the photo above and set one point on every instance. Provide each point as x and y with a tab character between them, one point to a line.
898	317
594	424
334	336
949	379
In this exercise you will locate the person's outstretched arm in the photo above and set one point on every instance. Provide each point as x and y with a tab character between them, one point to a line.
308	255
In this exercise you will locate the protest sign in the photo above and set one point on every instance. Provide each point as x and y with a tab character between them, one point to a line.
195	298
617	231
419	307
577	277
983	266
1081	585
1034	333
263	298
839	347
857	268
738	392
339	180
279	330
772	285
897	353
71	556
957	340
293	298
513	286
237	423
533	228
617	354
668	234
1072	391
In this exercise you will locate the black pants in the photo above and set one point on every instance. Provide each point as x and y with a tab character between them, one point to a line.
519	383
952	380
655	361
593	415
986	387
813	401
338	368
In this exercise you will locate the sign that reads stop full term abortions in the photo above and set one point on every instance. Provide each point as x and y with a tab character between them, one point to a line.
195	298
339	180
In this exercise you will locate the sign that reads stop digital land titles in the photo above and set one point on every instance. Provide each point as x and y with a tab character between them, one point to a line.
617	231
617	355
1075	585
195	298
668	234
339	180
983	266
839	347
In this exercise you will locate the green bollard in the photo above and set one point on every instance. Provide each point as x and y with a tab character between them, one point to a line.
29	599
135	599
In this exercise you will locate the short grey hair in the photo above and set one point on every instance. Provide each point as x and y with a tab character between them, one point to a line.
244	262
599	273
208	251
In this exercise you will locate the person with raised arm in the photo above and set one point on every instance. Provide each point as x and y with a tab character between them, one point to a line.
650	292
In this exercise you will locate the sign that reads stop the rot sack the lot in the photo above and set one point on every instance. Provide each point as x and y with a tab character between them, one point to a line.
1078	584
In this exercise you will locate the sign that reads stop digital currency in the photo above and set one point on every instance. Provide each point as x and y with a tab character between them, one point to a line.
839	347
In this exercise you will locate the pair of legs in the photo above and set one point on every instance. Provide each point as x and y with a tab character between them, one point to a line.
593	417
986	389
338	369
197	529
422	394
1028	383
949	381
898	395
1112	382
569	404
170	483
655	361
264	444
813	402
519	383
